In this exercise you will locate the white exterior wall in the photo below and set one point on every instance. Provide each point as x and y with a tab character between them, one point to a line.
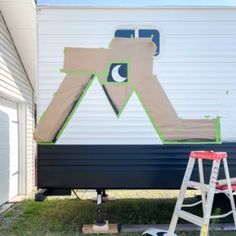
196	66
15	87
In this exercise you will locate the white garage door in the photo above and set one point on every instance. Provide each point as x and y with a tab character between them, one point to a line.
9	157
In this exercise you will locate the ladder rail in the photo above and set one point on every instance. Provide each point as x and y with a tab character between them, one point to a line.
182	193
202	181
210	197
231	197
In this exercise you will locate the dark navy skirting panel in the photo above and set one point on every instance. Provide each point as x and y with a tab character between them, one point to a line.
120	166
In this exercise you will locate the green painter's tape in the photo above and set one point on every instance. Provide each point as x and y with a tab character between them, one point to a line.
217	134
128	62
125	104
45	143
160	134
105	74
218	130
80	100
192	142
75	72
75	107
41	117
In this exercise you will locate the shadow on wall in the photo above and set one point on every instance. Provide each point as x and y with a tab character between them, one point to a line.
4	157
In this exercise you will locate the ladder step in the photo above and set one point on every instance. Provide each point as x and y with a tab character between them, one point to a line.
222	215
197	185
190	217
193	204
224	181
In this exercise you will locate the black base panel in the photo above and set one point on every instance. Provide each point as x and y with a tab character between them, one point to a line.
121	166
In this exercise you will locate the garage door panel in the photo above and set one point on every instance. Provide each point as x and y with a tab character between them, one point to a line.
14	149
13	191
4	196
9	157
4	156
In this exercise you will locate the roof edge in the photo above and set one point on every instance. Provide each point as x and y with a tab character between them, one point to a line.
130	7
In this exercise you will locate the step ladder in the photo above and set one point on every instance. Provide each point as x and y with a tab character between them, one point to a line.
207	191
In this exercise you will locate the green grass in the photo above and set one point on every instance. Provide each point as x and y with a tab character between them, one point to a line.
68	215
65	216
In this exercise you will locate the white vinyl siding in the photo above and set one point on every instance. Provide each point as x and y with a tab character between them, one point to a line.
95	122
15	86
196	65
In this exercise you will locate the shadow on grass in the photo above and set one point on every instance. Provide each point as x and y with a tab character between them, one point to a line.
67	216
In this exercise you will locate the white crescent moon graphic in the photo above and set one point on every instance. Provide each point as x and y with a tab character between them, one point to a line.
116	76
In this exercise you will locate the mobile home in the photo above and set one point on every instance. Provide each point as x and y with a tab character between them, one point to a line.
137	146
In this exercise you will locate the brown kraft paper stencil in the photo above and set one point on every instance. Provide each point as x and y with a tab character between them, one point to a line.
138	53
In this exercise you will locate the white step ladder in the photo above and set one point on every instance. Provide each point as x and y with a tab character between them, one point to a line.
207	191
